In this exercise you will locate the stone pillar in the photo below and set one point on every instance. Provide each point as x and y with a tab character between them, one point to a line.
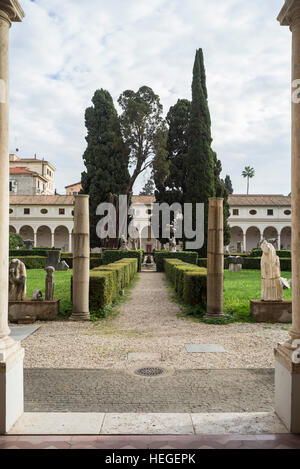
11	353
279	241
81	259
215	258
287	370
70	242
34	239
245	242
52	239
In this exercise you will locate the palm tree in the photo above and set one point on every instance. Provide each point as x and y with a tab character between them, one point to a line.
248	173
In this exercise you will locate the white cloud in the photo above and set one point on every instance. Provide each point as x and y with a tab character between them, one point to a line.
64	51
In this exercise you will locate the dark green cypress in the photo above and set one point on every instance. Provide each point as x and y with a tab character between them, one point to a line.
106	158
200	184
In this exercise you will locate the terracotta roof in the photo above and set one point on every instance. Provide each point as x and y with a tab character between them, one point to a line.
143	199
41	200
20	171
71	185
259	200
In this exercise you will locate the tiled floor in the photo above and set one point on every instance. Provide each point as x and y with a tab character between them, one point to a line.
153	442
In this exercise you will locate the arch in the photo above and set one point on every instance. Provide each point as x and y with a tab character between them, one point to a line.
271	233
27	233
12	229
43	237
253	238
61	238
286	238
237	239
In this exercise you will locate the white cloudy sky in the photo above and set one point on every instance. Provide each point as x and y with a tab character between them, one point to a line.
65	50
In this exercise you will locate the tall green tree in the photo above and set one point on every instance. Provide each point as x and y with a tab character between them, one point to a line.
141	122
221	191
200	182
228	184
106	158
149	187
248	174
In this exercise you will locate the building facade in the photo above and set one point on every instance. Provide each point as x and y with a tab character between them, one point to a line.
25	182
46	220
254	218
41	167
73	189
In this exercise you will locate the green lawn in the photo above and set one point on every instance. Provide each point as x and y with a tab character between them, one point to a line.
239	289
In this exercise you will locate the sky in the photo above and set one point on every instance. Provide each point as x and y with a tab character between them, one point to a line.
65	50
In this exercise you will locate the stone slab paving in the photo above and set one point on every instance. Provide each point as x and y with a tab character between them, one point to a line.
188	442
180	391
20	333
148	424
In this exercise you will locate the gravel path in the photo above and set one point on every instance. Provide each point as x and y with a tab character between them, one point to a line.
149	322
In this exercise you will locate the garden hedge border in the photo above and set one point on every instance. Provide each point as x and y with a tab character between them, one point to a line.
252	263
31	262
110	256
190	281
184	256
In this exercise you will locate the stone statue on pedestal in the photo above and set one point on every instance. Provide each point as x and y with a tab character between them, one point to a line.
272	289
17	280
124	245
49	284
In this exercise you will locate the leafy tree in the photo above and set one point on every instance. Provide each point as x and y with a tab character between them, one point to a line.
106	158
248	174
15	241
228	184
149	187
200	183
141	120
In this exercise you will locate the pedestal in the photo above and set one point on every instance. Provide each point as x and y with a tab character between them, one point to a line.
287	389
11	385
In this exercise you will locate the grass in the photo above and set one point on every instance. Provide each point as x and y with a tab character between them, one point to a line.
239	289
36	281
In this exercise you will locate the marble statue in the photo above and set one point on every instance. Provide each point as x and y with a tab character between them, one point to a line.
37	295
17	280
49	284
124	245
173	245
272	289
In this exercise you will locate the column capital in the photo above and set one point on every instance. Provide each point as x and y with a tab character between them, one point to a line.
290	14
11	11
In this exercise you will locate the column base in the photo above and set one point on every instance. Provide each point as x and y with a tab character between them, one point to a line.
11	386
287	388
80	317
214	315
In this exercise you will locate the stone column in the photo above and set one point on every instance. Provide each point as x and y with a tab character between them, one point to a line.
70	242
11	353
215	258
34	239
245	242
81	259
287	370
52	239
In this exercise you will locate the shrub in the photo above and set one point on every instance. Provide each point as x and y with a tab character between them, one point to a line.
15	241
107	281
285	254
114	255
26	252
33	262
184	256
190	281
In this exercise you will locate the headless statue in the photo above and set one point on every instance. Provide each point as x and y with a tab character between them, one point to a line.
272	289
17	280
49	284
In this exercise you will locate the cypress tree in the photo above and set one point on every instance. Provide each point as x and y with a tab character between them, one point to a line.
106	158
200	184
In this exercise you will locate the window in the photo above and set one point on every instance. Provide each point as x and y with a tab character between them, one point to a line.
62	211
44	211
11	211
75	193
287	212
149	212
26	211
253	212
270	212
10	186
235	212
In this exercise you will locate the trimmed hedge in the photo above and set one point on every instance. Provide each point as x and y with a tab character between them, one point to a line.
285	254
111	256
190	281
252	263
106	282
33	262
184	256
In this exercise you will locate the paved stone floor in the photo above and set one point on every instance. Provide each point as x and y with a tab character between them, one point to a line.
181	391
153	442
